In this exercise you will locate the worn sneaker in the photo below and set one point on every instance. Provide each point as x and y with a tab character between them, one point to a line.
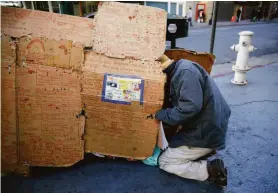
217	172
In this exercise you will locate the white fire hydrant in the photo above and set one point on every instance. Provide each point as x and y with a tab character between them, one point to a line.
243	48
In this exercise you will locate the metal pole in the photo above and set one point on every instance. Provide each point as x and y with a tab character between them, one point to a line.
50	6
173	43
214	20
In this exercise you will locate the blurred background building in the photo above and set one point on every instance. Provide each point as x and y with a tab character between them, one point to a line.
226	9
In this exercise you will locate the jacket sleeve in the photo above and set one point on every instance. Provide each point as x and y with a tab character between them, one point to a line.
190	101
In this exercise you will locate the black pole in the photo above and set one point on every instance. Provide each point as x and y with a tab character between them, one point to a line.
211	14
173	43
214	20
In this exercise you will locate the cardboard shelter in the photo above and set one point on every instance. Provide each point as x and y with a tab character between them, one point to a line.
48	80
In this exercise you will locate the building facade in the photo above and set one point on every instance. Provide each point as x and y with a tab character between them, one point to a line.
172	7
226	9
180	8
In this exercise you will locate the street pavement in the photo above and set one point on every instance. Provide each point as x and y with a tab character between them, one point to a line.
229	23
265	39
251	153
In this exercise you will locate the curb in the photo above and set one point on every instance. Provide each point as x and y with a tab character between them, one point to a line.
229	73
232	24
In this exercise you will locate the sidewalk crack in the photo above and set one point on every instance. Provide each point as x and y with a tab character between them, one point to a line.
237	105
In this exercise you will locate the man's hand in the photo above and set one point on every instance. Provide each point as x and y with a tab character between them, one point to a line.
156	120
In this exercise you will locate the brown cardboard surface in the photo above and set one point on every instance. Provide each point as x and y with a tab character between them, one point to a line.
102	64
49	52
206	60
48	102
118	129
129	30
41	126
9	156
22	22
8	102
119	133
15	168
92	84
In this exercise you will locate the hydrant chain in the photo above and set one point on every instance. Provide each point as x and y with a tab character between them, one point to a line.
243	48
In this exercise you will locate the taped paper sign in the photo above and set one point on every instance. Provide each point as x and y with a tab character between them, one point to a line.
122	89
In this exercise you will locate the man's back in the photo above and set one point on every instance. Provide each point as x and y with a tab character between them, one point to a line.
208	127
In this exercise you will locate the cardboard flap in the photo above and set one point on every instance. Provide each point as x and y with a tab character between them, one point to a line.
206	60
128	30
18	22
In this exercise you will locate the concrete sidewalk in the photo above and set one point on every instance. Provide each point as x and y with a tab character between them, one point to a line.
220	70
228	23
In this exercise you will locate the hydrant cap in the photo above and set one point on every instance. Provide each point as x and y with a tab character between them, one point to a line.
245	33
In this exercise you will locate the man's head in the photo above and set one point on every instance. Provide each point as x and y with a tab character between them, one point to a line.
165	61
190	8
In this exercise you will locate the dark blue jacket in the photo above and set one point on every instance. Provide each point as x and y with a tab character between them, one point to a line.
198	105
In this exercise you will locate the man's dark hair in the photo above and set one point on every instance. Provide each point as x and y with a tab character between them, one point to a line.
189	7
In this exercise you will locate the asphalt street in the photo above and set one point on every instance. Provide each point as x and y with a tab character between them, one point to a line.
251	153
265	39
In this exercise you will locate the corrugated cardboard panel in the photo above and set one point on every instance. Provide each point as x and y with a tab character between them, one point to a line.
122	130
49	52
129	30
8	102
95	100
92	84
49	102
15	168
22	22
117	132
206	60
96	65
102	64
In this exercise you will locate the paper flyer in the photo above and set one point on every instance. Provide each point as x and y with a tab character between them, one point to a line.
122	89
